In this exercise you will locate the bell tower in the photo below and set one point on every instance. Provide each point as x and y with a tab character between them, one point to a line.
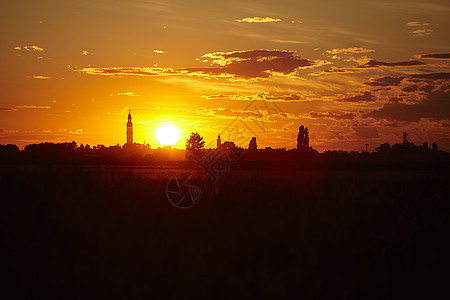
129	129
219	142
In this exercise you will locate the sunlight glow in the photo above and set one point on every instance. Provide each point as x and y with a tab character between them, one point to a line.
167	135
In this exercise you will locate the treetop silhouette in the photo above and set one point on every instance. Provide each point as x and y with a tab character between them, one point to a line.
303	138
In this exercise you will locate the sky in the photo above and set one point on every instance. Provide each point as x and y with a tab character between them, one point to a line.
353	72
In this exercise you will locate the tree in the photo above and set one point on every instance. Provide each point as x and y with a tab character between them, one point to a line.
434	146
383	148
229	145
194	145
252	145
303	138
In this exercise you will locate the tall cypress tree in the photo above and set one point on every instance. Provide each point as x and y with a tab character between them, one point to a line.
303	138
306	139
300	137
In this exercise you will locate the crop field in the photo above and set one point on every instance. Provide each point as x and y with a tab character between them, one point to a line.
314	232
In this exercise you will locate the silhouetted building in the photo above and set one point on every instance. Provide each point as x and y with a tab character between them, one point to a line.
253	146
129	129
219	142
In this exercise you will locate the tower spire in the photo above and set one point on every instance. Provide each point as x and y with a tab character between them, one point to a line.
219	142
129	129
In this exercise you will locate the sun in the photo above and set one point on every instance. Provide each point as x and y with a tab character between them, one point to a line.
167	135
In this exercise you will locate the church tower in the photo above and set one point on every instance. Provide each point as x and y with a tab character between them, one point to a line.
129	129
219	142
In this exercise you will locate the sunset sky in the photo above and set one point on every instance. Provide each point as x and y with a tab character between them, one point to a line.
353	72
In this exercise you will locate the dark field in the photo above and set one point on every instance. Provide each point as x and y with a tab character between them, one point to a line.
314	231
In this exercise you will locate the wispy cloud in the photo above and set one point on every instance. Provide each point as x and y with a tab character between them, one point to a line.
332	115
40	77
121	71
293	97
376	63
33	107
364	97
157	51
421	32
29	48
259	20
417	24
130	94
349	50
434	56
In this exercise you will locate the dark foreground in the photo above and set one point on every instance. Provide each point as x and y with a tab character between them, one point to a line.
338	232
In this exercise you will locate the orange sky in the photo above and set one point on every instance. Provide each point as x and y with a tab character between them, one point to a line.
354	72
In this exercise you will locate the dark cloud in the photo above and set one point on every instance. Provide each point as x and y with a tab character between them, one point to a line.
6	109
414	88
385	81
435	56
366	132
395	100
435	105
364	97
431	76
253	63
376	63
410	88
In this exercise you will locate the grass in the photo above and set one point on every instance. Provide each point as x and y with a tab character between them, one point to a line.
318	233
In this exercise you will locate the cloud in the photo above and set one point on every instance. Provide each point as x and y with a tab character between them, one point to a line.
40	77
259	20
366	132
349	50
130	94
334	116
435	106
435	56
385	81
253	63
33	107
431	76
4	130
364	97
376	63
76	132
421	32
238	65
417	24
260	96
84	52
120	71
29	48
414	88
157	51
7	109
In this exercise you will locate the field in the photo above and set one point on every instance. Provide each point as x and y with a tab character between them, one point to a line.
72	232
